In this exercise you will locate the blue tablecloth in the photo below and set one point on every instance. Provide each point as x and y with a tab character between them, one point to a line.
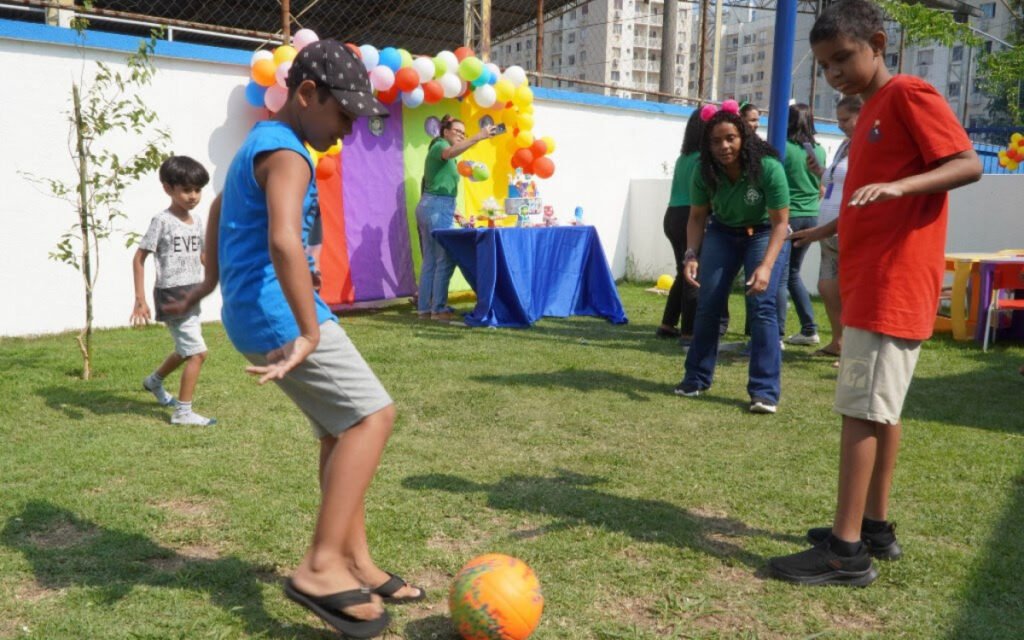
522	274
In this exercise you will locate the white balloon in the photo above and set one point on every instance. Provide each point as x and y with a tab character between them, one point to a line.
262	54
495	71
485	96
451	63
382	78
515	74
414	98
275	98
303	37
451	84
424	66
371	57
282	73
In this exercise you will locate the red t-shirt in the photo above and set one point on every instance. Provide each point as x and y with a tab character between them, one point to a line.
893	252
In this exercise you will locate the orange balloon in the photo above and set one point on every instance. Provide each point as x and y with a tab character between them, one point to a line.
406	79
543	167
325	168
539	148
355	49
522	158
433	92
465	169
263	72
462	53
389	96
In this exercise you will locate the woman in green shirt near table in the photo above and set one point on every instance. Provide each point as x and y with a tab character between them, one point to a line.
804	196
682	296
743	182
436	210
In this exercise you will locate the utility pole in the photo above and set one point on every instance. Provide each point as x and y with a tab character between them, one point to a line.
669	34
286	21
814	66
703	48
715	55
540	38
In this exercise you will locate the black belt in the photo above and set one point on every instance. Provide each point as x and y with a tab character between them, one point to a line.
740	231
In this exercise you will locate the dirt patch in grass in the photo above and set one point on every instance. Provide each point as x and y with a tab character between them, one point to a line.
62	535
11	629
461	546
31	591
186	555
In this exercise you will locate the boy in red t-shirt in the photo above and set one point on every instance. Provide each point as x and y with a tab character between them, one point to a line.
907	151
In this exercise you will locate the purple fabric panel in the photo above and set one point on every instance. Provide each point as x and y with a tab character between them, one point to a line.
376	229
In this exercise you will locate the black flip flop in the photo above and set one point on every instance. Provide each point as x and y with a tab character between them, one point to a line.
388	590
330	610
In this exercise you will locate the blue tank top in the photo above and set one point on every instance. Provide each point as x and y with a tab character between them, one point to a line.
255	313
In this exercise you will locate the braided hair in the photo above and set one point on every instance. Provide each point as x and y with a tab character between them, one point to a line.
752	150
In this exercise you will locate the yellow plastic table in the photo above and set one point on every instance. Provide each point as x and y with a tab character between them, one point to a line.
965	267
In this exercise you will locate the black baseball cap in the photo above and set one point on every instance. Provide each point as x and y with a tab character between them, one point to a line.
331	64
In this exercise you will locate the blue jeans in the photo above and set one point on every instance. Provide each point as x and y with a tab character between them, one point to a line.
434	213
721	256
795	285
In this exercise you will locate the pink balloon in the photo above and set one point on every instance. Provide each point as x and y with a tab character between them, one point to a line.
275	97
382	77
282	73
303	37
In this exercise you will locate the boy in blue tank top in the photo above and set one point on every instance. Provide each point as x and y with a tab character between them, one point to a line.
274	317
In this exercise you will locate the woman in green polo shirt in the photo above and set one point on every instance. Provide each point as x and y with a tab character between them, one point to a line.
740	179
682	296
436	210
804	196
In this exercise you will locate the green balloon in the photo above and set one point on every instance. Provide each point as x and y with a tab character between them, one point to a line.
440	67
480	172
406	58
470	68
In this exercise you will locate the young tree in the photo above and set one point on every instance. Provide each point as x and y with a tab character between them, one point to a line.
105	109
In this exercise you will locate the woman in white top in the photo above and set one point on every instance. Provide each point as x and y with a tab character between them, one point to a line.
847	111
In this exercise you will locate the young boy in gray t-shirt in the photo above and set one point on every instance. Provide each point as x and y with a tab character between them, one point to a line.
175	237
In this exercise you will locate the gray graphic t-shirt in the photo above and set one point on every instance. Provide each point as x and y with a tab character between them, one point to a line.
177	248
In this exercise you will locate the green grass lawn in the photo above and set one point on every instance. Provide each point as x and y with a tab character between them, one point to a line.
645	515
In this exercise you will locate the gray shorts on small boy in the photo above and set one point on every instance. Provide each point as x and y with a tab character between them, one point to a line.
188	335
334	386
828	269
875	371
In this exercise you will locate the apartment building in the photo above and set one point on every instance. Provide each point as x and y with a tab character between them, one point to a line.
615	43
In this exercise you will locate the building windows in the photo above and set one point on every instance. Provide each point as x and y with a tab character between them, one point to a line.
585	9
519	46
953	91
572	37
759	75
583	57
617	28
759	96
958	53
572	59
615	76
988	10
529	44
892	60
925	56
760	55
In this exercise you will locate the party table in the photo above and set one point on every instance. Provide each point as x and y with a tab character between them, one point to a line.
522	274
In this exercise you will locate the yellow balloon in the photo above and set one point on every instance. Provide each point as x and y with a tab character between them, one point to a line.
284	53
550	142
525	121
1016	138
505	90
314	154
334	149
1012	165
524	96
509	118
665	282
524	139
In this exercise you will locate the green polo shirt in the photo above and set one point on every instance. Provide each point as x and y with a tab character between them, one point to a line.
686	165
804	186
740	203
440	176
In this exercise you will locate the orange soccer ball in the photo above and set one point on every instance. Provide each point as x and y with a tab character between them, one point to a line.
495	597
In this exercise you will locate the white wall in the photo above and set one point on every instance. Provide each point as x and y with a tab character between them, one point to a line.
600	150
202	105
983	217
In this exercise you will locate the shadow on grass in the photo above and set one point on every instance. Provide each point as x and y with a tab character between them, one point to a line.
66	551
436	627
994	601
572	498
76	403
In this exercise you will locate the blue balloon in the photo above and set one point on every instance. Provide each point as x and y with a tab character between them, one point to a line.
254	93
481	80
492	77
390	58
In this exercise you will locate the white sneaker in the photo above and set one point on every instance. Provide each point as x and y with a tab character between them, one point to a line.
801	339
158	391
760	405
192	418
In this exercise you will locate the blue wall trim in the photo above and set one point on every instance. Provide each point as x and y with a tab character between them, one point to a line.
15	30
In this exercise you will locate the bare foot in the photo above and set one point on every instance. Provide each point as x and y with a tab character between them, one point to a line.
322	583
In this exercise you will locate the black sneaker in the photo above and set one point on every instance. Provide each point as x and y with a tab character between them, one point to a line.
662	332
687	390
882	545
820	565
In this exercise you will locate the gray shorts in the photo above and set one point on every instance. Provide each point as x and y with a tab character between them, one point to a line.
874	375
829	269
188	336
334	386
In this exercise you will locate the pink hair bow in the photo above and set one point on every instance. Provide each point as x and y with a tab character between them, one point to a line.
709	110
